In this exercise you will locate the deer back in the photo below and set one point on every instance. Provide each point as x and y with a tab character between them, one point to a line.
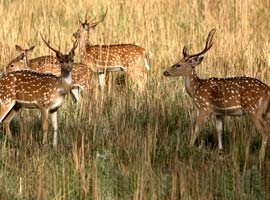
114	55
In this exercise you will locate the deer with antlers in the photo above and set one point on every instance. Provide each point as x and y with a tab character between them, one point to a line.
223	96
30	89
127	57
83	78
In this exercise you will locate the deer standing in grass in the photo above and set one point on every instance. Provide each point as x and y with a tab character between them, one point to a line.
223	96
127	57
83	77
30	89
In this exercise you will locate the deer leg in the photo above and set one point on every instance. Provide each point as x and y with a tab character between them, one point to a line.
4	112
219	127
146	64
266	116
261	126
101	80
44	120
7	121
75	94
5	109
201	117
55	127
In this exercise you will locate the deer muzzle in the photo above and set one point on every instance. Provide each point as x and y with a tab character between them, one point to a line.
166	73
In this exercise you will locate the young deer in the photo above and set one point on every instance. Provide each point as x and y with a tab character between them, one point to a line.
30	89
127	57
223	96
44	63
23	56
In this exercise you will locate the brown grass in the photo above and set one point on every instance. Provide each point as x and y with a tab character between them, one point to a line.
130	146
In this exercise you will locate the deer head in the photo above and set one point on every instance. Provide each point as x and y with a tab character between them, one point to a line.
188	62
21	60
88	24
66	60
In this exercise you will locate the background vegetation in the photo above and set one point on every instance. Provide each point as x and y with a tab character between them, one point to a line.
118	144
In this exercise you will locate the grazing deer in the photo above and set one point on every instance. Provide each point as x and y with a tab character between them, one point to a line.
127	57
30	89
223	96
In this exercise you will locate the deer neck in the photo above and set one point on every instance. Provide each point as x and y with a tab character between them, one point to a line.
66	80
84	41
191	82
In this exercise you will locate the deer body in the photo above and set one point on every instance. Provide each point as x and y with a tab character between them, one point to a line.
32	89
127	57
114	56
226	96
223	96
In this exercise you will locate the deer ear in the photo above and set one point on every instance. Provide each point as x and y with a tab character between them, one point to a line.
21	57
195	61
18	48
31	48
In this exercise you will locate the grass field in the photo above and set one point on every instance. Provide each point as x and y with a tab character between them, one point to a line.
122	145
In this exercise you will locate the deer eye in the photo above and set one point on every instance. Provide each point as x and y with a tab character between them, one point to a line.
11	65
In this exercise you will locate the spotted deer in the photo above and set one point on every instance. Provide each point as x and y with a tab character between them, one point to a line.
23	56
83	78
43	64
127	57
223	96
30	89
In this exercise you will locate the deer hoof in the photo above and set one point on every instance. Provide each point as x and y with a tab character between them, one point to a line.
220	152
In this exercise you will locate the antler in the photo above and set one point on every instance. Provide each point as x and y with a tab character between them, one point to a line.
208	45
85	17
93	24
48	45
75	44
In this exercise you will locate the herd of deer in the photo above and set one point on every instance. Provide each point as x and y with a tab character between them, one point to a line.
43	83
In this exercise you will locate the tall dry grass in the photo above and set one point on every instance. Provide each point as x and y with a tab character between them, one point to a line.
122	145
